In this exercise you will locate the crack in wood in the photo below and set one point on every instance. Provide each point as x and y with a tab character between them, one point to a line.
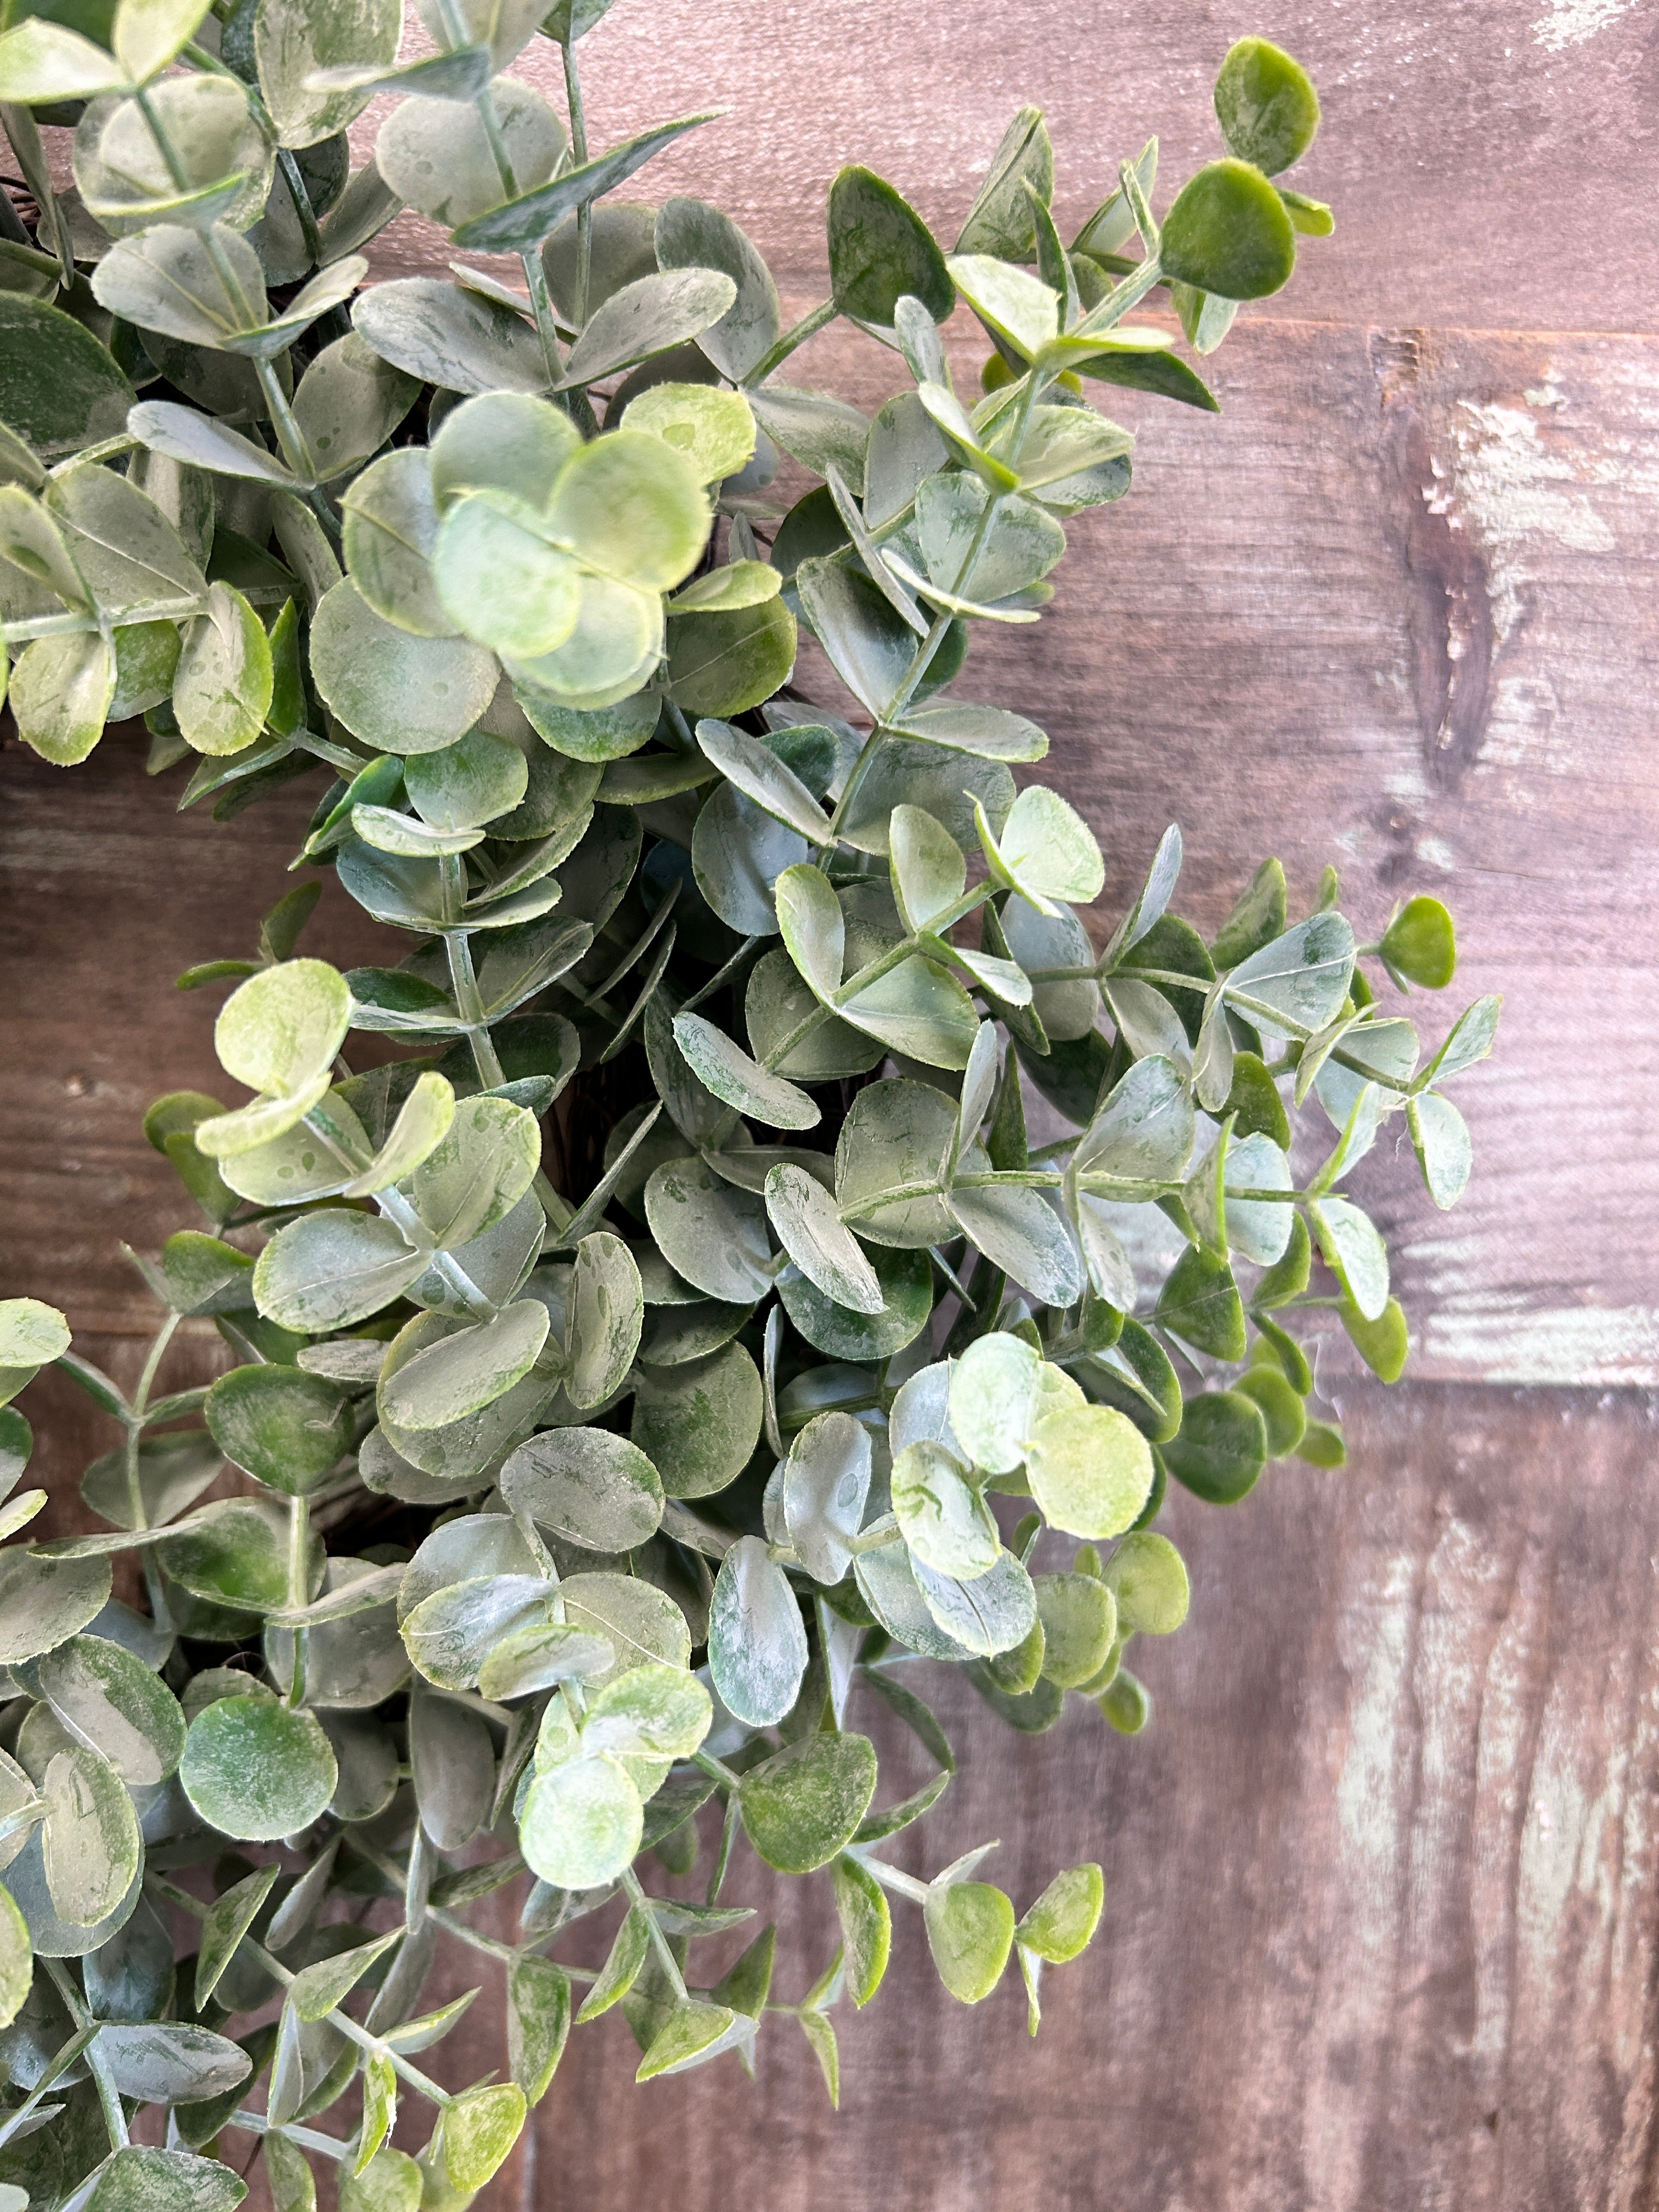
1453	631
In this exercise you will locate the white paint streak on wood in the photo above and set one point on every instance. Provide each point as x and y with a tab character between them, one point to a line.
1571	22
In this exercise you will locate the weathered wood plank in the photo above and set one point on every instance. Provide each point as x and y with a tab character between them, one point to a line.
1485	160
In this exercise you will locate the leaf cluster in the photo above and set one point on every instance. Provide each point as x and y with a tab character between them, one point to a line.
595	1495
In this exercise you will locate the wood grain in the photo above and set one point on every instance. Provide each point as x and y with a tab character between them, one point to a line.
1482	158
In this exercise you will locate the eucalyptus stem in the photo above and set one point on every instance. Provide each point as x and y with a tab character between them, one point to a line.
670	1965
154	1588
115	2118
809	326
573	93
469	1006
298	1590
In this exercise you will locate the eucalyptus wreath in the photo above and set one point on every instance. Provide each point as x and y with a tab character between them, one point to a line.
632	1348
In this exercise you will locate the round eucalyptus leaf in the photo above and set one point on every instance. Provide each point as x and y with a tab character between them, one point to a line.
287	1428
970	1932
1268	110
508	442
738	851
435	155
731	1075
215	173
451	1633
714	429
604	1312
238	1559
453	1761
60	696
282	1028
1019	1231
64	390
391	2182
485	1162
638	1622
1089	1469
398	692
1221	1447
993	1612
353	1664
897	1137
45	1602
89	1840
1062	1923
826	1483
777	1002
699	1423
622	240
256	1769
757	1651
727	659
469	1368
803	1806
171	2061
479	2128
1080	1621
880	249
51	1936
1148	1577
633	509
348	403
716	1237
810	1229
1228	233
651	1712
614	647
653	314
109	1699
331	1269
946	1521
582	1823
531	1659
468	784
292	42
586	1486
690	233
434	330
390	527
992	1398
605	733
1044	850
501	576
906	1283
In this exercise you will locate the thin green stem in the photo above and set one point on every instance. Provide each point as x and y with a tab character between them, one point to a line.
59	2066
115	2118
302	208
289	436
807	327
469	1004
153	1585
299	1544
256	2123
573	93
670	1964
889	1877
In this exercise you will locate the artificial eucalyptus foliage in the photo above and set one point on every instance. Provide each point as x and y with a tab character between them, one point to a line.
600	1490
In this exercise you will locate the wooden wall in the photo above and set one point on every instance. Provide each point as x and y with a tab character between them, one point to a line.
1381	1927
